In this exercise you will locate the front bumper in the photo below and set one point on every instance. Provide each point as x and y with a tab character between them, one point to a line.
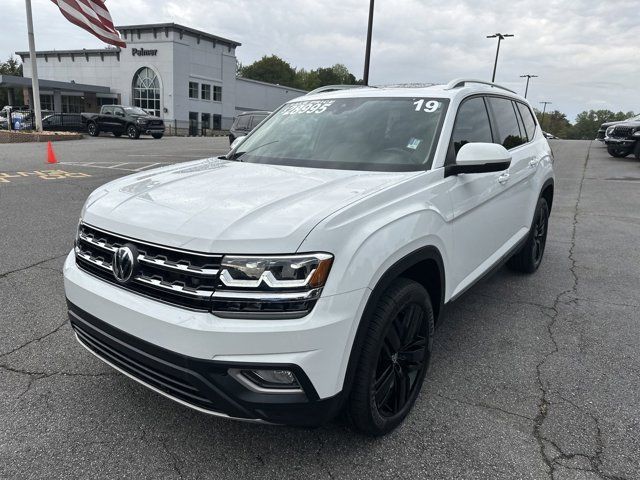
620	142
186	354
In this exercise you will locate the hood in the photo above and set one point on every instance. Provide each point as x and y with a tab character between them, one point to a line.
221	206
146	117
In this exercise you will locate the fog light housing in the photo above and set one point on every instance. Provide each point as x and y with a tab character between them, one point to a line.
278	380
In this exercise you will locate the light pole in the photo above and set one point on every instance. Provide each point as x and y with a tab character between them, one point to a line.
529	77
544	109
500	37
367	54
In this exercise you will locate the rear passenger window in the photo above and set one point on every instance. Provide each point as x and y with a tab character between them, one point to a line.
255	120
472	124
243	122
508	132
527	118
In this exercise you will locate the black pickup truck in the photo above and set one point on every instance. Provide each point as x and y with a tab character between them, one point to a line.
623	139
119	120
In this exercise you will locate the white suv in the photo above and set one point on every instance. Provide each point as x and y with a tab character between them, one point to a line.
303	273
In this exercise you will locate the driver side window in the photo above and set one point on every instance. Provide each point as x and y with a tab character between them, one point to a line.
472	124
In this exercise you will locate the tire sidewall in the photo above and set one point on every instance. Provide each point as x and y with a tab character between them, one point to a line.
92	129
542	208
410	292
132	132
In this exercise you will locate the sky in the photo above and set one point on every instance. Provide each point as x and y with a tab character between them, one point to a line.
585	52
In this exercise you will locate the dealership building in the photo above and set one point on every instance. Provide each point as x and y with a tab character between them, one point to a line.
173	71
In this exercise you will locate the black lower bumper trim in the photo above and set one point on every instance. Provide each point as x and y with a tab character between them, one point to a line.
203	384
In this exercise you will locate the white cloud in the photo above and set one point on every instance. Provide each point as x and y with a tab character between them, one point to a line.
584	51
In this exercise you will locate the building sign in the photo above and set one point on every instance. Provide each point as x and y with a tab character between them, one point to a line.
141	52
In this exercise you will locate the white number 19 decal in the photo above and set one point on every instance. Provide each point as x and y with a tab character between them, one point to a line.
429	107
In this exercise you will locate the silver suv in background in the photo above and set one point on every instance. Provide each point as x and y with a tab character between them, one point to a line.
245	122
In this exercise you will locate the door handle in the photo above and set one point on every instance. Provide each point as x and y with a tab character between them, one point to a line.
504	178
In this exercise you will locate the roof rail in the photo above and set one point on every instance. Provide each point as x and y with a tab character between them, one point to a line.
461	82
333	88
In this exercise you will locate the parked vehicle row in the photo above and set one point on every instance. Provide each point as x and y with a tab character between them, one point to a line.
303	273
602	132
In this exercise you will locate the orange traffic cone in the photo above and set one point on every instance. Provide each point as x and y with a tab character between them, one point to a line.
51	156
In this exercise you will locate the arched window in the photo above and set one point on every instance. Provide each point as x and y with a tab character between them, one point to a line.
146	90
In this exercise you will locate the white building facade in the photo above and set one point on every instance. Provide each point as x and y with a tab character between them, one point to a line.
175	72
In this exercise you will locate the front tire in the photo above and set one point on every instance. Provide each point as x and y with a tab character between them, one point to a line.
157	136
528	259
92	129
618	152
394	359
132	132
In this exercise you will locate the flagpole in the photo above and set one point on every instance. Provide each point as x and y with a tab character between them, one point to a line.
34	69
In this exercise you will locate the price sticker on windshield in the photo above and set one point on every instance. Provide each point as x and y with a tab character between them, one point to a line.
428	106
314	106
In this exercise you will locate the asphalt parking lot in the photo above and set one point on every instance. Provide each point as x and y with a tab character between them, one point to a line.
532	376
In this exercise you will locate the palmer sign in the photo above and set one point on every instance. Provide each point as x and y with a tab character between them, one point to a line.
141	52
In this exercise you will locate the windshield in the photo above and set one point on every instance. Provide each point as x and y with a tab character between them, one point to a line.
383	134
135	111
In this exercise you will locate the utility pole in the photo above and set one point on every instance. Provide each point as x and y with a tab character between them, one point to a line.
500	37
544	109
367	55
35	87
529	77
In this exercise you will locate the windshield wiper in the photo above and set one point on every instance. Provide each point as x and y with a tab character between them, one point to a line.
236	155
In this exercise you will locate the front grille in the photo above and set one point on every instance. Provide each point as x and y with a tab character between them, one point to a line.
622	132
174	276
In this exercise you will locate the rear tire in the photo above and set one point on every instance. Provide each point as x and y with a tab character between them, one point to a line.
636	151
92	129
618	152
529	258
394	359
157	136
132	132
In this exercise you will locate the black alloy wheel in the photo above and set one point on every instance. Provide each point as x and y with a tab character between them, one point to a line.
132	132
92	129
529	257
401	360
393	358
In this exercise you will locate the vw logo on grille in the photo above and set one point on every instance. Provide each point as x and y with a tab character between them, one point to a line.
125	262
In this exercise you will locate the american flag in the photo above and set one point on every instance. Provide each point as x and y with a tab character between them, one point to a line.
93	16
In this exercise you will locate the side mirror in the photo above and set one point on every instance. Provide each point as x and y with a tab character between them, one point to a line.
480	158
237	141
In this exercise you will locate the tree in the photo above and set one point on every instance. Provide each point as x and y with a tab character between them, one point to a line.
588	122
555	122
273	69
11	67
270	69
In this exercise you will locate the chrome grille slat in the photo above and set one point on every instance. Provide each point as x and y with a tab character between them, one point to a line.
171	275
176	288
183	268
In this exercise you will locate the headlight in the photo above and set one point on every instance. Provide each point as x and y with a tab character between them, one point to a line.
609	131
270	286
142	120
636	133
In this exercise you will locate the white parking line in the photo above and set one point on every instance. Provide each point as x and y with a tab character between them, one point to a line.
126	166
146	166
